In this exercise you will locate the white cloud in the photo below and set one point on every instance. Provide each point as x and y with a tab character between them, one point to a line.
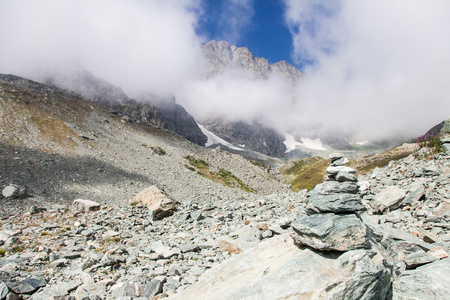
139	45
235	95
235	19
378	66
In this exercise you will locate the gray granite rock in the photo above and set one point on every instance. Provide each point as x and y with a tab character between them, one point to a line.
418	258
334	170
14	191
330	232
415	195
152	289
430	281
335	203
345	177
85	205
388	199
333	187
3	290
339	162
304	274
59	289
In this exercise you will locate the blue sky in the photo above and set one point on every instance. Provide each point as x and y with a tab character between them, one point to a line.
264	30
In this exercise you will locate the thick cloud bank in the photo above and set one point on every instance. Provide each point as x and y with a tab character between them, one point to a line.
139	45
375	67
372	68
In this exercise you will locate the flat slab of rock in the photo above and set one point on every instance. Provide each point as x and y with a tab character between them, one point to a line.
345	177
335	203
156	201
429	282
332	187
277	269
330	232
85	205
388	199
334	170
415	195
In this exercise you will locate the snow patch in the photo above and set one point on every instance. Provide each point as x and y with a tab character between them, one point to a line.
214	139
291	143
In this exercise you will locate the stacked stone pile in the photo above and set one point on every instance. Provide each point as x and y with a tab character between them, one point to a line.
332	223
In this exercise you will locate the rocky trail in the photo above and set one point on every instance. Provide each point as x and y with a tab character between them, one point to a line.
96	207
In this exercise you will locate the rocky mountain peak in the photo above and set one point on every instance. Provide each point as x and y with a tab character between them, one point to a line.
220	55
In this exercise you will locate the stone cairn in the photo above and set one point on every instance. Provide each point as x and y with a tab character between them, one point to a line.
331	223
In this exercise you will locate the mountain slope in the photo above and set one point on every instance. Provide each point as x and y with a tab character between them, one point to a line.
164	113
62	147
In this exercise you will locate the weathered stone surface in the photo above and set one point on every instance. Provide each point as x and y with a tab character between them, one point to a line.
57	290
335	203
335	156
388	199
26	286
442	209
418	258
3	290
152	289
330	232
123	289
415	195
333	187
85	205
345	177
339	162
370	278
430	281
14	191
445	130
156	201
334	170
277	269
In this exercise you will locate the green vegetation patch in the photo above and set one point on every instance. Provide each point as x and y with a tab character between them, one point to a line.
367	164
197	163
305	173
158	150
223	176
232	181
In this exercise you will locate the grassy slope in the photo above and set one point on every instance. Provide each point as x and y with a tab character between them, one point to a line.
306	173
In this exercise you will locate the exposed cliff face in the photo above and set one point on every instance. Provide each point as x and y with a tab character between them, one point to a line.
253	136
168	115
221	55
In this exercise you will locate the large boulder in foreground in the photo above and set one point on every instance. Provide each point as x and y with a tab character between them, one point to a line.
429	282
331	232
157	201
278	269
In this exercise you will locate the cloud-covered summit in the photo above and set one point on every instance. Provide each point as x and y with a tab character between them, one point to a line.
371	68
